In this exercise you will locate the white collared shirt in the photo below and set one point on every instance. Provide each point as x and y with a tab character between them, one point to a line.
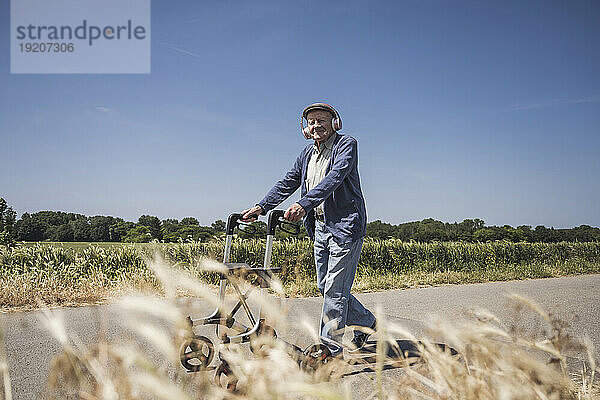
317	166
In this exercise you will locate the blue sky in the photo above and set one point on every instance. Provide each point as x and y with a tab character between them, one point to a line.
462	109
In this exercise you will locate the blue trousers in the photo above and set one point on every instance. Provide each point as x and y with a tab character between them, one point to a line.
336	267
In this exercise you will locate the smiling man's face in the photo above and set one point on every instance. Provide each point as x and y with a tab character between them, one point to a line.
319	124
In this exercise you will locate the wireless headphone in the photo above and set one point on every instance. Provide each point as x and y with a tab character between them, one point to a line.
336	121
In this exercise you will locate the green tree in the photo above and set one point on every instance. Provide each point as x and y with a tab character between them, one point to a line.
139	234
55	218
429	230
100	228
406	231
190	221
195	232
153	224
219	226
512	234
585	233
168	229
62	233
380	230
466	229
526	232
487	234
545	235
48	223
119	230
29	229
82	231
8	218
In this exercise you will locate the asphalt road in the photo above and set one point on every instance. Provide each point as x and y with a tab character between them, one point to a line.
30	347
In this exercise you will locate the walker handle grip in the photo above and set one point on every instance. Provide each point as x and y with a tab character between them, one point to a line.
232	223
235	221
275	219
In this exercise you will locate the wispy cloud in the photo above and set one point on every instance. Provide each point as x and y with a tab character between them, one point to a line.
182	51
105	110
559	101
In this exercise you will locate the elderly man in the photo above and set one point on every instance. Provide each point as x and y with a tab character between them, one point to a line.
334	213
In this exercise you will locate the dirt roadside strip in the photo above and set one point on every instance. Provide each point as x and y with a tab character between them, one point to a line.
30	347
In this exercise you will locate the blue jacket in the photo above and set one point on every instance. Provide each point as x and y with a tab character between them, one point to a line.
345	211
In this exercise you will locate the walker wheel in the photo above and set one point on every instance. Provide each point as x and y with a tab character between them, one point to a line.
230	378
315	356
196	353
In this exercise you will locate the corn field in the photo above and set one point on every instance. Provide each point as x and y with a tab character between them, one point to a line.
58	275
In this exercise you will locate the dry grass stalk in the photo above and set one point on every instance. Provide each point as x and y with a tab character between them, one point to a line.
495	362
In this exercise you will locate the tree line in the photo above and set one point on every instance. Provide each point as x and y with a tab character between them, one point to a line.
59	226
475	230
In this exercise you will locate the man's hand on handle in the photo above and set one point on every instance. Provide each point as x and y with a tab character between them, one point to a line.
256	210
294	213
